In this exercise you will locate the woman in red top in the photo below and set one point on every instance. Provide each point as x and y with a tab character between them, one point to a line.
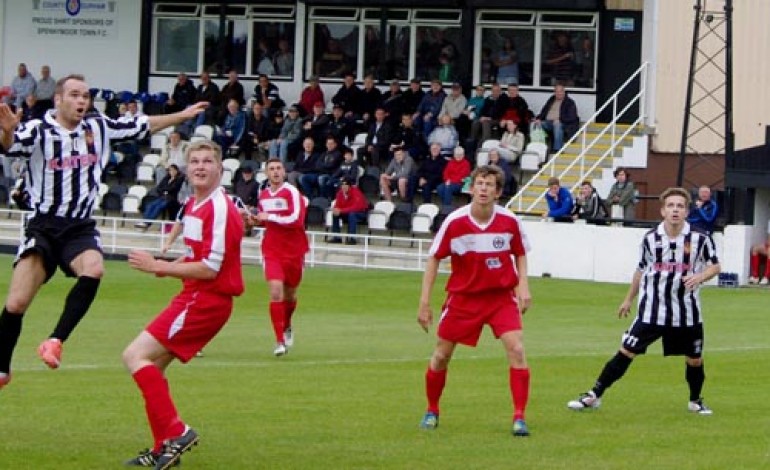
457	169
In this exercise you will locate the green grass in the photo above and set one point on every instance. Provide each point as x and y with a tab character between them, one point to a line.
350	394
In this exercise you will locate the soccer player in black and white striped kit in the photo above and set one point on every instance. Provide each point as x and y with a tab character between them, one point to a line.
675	261
67	152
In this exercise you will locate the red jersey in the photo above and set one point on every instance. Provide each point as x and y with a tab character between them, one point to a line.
481	255
285	235
213	230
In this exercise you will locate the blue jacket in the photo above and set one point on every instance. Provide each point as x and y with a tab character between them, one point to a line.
561	207
235	124
703	217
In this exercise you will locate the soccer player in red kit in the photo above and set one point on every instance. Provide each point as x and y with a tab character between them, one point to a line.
211	276
282	211
488	286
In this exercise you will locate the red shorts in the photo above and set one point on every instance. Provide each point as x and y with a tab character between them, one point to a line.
289	271
461	323
190	321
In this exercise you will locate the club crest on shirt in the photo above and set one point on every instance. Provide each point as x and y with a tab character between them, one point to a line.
274	204
498	242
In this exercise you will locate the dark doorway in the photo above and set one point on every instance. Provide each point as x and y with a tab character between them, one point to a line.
620	54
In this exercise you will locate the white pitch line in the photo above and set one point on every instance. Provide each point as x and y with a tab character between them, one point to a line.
207	362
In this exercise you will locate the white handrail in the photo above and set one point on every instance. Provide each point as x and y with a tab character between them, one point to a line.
517	201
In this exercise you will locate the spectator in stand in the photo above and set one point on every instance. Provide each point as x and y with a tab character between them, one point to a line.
350	206
622	196
316	125
426	116
132	110
44	90
560	60
313	182
406	137
588	205
22	85
470	114
208	91
397	175
445	135
183	94
703	212
246	187
168	195
173	153
348	96
511	143
413	96
339	126
291	132
378	140
559	117
518	109
454	103
509	185
347	170
455	172
284	59
257	131
233	129
559	201
759	253
585	60
30	109
369	100
490	116
267	94
232	90
430	174
393	102
333	61
305	163
507	62
311	95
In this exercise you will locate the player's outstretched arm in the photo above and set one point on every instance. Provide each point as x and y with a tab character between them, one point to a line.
146	262
633	290
162	121
424	313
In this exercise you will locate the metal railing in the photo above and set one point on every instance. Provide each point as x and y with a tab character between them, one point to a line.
580	162
119	236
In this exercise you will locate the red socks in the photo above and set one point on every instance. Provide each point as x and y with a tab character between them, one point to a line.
290	306
518	380
434	386
161	412
278	317
754	265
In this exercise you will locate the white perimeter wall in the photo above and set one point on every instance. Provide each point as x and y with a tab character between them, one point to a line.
610	254
106	51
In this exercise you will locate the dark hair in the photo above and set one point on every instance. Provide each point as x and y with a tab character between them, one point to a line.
623	169
60	83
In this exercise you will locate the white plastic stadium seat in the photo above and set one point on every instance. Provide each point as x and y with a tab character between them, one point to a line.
429	209
490	144
157	142
205	131
537	148
231	164
138	191
129	206
145	173
227	178
529	163
152	159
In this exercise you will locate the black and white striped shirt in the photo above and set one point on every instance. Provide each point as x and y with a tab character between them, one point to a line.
663	299
65	167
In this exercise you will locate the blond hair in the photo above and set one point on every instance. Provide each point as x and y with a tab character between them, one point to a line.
675	192
204	145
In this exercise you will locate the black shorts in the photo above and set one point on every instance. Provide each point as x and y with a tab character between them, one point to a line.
58	240
677	341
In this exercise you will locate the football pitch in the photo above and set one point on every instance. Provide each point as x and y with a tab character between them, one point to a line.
350	394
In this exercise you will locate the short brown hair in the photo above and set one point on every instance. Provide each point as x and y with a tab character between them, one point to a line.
675	192
489	170
204	145
553	181
60	82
